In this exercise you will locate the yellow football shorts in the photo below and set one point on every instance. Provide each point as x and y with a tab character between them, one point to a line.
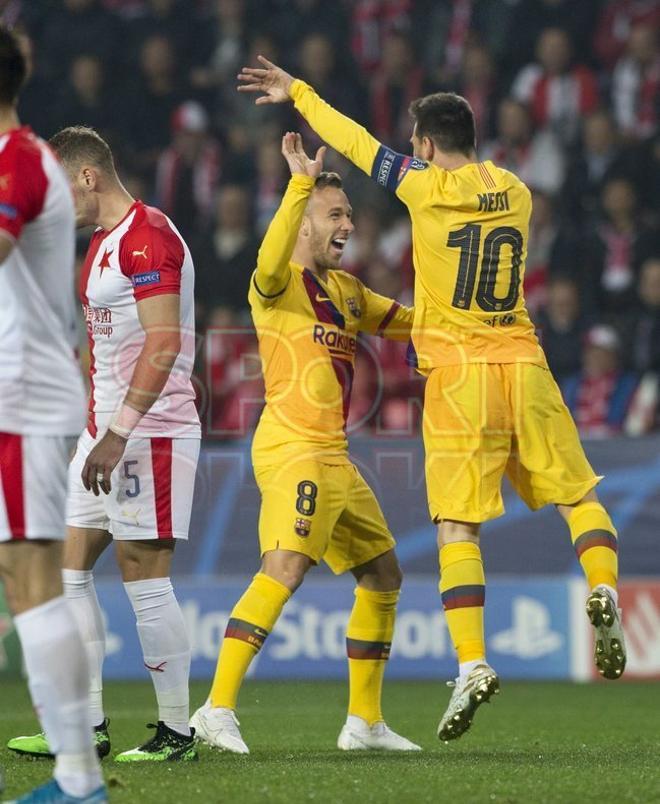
484	419
321	510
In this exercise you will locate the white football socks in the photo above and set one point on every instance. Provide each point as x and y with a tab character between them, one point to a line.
465	668
56	665
165	647
81	596
613	592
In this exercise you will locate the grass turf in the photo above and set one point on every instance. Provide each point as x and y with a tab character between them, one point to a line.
538	742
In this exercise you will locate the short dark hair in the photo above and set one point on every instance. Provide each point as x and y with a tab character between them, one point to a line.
447	119
76	145
13	67
328	179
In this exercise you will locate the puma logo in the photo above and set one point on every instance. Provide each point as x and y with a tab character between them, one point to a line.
158	668
142	253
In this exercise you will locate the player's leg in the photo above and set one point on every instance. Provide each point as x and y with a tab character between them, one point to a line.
300	504
551	468
145	569
467	437
82	549
31	526
595	541
250	622
362	542
463	589
85	541
149	510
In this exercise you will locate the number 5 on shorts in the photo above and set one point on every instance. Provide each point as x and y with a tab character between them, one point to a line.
128	476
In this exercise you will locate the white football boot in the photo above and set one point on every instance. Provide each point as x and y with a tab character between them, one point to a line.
217	726
610	646
468	695
358	735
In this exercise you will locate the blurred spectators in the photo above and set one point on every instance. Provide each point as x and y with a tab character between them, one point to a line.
155	95
614	250
84	100
536	158
233	376
566	95
600	396
551	250
397	83
558	91
227	254
617	20
188	171
644	325
372	22
477	82
636	84
600	158
561	327
72	27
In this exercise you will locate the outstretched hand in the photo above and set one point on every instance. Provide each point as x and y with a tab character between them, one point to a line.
270	79
297	159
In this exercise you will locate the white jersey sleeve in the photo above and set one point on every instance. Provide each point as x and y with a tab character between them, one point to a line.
41	387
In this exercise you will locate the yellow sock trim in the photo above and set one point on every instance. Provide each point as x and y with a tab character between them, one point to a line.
368	640
594	538
251	620
462	588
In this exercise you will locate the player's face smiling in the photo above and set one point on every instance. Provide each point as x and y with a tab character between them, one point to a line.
330	217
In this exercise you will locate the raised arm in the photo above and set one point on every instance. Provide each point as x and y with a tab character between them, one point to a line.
272	274
385	166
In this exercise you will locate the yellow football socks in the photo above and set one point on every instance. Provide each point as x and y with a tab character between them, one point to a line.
463	591
368	642
594	539
251	621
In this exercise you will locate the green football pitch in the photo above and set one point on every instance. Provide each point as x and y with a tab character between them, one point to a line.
537	742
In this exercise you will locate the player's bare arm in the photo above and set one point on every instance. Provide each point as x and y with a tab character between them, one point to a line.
159	318
273	271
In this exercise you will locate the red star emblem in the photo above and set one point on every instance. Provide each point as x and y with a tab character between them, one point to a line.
105	261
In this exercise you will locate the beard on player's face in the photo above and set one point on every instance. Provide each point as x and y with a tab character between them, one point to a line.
326	256
328	234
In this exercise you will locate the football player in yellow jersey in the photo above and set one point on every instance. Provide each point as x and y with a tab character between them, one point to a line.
315	504
491	405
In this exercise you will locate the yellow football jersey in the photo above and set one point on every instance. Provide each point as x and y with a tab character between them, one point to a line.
308	336
470	229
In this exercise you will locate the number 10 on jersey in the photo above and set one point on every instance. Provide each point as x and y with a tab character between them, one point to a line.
468	240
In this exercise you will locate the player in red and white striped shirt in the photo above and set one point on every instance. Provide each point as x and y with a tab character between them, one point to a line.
41	407
132	477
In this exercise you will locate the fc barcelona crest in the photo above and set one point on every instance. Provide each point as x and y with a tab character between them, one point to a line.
302	526
353	307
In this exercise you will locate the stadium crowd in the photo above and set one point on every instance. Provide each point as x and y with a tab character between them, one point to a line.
574	114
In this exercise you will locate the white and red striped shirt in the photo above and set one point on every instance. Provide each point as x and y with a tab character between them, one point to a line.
41	387
142	256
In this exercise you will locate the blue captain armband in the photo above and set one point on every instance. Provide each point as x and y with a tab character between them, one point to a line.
389	167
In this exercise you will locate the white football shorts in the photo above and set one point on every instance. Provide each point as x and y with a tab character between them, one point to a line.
152	489
33	486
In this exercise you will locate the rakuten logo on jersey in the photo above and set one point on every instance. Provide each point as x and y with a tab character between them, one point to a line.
99	320
334	339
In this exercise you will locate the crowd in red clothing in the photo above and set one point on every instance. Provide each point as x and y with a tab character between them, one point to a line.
565	94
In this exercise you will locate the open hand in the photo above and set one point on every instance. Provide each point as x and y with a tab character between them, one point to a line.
269	79
297	159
